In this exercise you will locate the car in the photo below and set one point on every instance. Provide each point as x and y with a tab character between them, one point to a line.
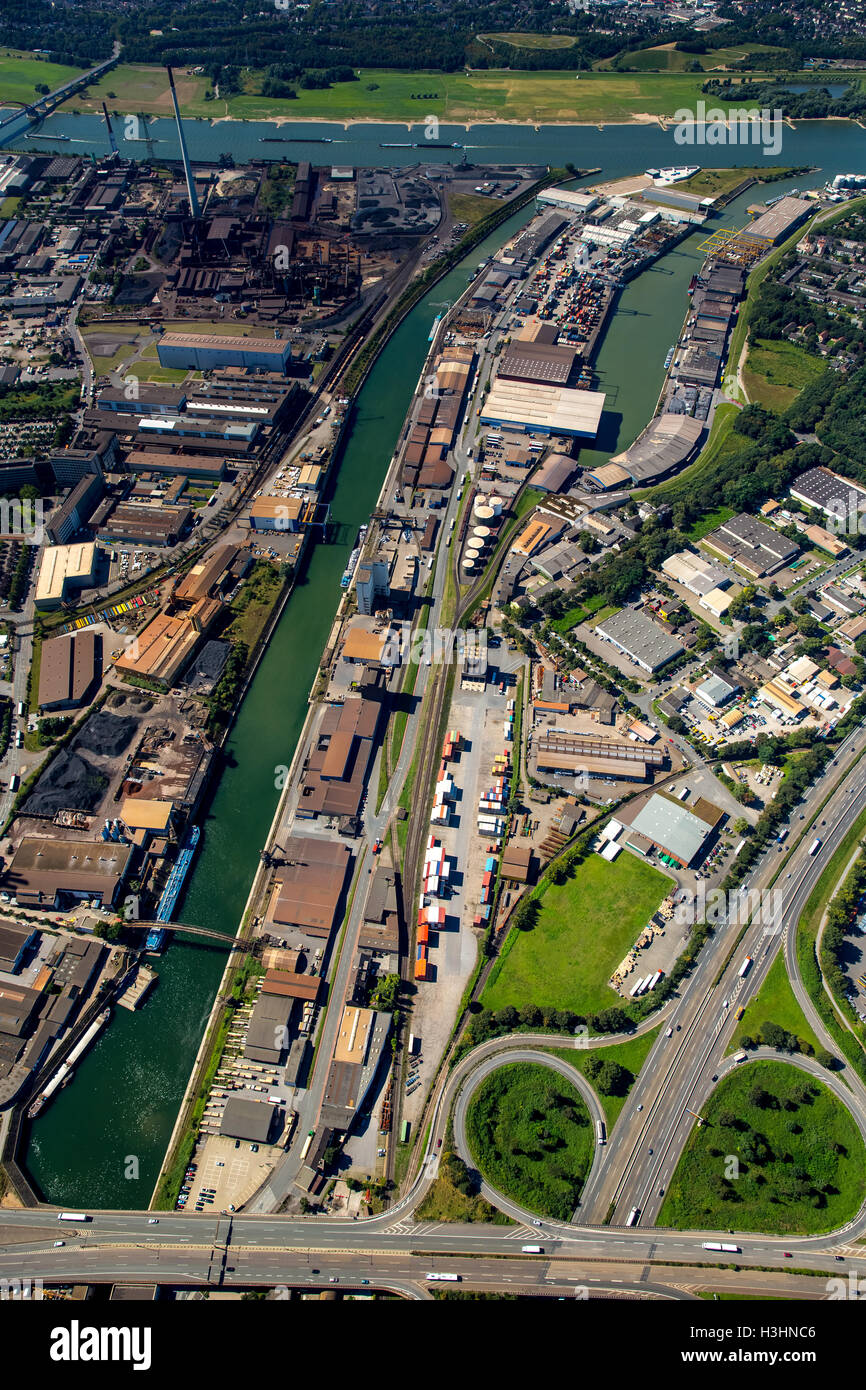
649	1151
535	1221
439	1143
153	1221
254	1148
58	1243
315	1271
365	1281
237	1143
333	1279
220	1163
786	1254
715	1076
640	1107
839	1258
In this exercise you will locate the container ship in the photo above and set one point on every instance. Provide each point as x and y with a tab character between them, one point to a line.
64	1072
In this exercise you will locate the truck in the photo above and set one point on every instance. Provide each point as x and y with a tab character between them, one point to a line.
72	1216
745	968
307	1144
21	709
815	846
453	1278
720	1245
633	1216
532	1249
599	1132
739	1056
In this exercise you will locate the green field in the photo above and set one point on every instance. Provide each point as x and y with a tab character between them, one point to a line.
699	529
714	182
382	94
580	614
19	73
802	1162
776	372
452	1197
665	57
531	1136
471	207
775	1002
584	929
531	40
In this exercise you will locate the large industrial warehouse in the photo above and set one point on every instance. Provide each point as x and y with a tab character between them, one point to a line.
530	406
679	832
640	639
204	351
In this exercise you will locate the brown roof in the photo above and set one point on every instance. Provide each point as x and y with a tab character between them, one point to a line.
310	884
204	575
292	985
69	668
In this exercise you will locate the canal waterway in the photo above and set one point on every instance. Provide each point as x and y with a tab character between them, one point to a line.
101	1141
124	1098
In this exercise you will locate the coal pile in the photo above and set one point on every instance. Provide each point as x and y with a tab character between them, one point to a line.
106	733
70	783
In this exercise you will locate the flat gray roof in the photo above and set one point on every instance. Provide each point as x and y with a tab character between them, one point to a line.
672	825
640	638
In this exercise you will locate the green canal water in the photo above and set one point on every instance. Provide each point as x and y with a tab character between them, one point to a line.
122	1104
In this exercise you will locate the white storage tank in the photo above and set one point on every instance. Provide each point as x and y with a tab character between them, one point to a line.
468	565
496	504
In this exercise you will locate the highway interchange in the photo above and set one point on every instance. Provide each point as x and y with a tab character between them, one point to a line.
395	1252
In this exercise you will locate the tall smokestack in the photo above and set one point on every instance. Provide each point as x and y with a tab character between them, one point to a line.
111	140
187	168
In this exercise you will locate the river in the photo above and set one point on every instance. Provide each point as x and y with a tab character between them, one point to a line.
101	1141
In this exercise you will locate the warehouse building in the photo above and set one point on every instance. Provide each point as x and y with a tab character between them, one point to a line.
278	513
570	200
176	464
830	493
145	525
64	570
15	941
248	1119
543	363
358	1050
667	444
752	546
679	832
309	885
780	220
162	649
54	873
70	671
696	573
640	639
543	409
203	352
76	510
